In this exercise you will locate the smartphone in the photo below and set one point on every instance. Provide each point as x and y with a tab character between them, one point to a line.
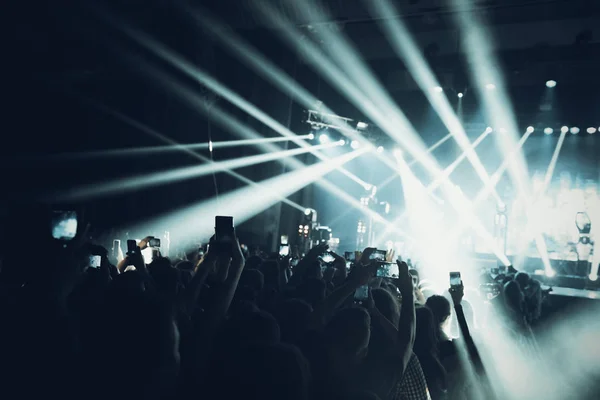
350	256
361	293
284	250
387	270
455	279
378	255
224	229
154	242
132	246
95	261
327	258
64	225
284	240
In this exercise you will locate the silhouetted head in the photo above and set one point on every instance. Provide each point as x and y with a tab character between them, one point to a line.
425	336
252	278
348	334
263	371
312	291
513	297
522	278
387	304
166	278
440	307
270	271
293	316
258	326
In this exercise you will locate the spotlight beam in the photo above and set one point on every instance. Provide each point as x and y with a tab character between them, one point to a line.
253	200
414	161
140	182
139	151
214	85
384	113
440	179
402	42
151	132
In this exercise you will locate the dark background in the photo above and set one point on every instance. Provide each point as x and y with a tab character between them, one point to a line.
62	59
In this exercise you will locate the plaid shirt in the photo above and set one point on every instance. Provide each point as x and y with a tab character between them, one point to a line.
412	386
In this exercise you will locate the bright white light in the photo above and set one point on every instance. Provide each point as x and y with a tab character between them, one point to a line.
460	95
311	136
361	125
574	130
380	149
398	153
530	129
593	277
341	142
488	129
550	273
307	212
548	131
438	89
355	144
550	83
210	146
490	86
564	129
502	130
591	130
323	138
368	186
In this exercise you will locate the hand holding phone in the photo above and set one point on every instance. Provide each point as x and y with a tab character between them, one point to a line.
387	270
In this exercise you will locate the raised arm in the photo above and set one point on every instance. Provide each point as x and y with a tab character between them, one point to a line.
406	325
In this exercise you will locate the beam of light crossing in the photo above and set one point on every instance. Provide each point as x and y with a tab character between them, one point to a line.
384	113
151	132
439	180
214	85
484	193
140	182
485	71
139	151
247	202
414	161
264	67
402	42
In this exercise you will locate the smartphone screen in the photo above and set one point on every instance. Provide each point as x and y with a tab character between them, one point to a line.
388	270
131	246
95	261
154	242
284	239
284	250
378	255
328	258
350	256
455	279
64	225
361	293
224	229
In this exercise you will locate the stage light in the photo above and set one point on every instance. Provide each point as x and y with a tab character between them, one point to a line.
311	136
361	125
368	186
548	131
550	83
355	144
460	95
438	89
564	129
323	138
550	273
574	130
398	153
488	129
593	277
591	130
380	149
307	211
210	146
530	129
341	142
490	86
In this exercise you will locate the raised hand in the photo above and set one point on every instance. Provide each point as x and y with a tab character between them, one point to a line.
365	257
457	293
405	280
